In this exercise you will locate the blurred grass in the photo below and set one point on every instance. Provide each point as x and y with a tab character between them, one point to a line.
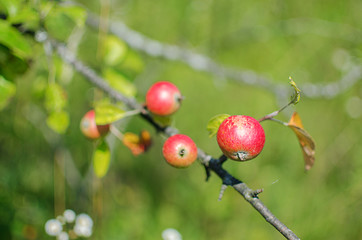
142	196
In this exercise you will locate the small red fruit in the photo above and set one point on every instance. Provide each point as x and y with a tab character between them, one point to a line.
241	137
163	98
179	151
89	127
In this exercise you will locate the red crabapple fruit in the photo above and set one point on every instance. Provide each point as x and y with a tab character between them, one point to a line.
240	137
163	98
179	151
89	127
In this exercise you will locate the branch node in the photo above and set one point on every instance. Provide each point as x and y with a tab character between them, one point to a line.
207	169
222	190
255	193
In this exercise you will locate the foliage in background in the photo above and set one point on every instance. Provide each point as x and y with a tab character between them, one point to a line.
46	163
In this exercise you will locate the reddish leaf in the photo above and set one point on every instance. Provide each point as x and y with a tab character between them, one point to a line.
146	140
305	140
138	144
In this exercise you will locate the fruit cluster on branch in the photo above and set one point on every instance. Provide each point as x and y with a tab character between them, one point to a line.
210	163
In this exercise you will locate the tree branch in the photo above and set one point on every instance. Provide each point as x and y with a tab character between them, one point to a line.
200	62
249	196
210	163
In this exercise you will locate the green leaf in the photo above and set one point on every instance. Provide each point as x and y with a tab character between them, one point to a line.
119	82
11	66
133	63
107	113
27	16
58	121
163	120
115	50
214	123
11	7
60	21
63	72
7	90
11	38
101	159
19	11
55	98
77	14
59	26
296	94
39	86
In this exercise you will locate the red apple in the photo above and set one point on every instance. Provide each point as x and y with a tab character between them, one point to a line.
179	151
89	127
163	98
241	137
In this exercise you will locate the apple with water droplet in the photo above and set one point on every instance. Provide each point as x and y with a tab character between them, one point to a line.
240	137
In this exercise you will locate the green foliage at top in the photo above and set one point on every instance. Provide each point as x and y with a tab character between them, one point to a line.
20	12
61	20
10	7
11	38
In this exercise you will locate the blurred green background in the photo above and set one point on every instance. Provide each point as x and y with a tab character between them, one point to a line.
316	42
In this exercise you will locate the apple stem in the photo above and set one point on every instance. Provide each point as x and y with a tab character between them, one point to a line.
116	132
180	99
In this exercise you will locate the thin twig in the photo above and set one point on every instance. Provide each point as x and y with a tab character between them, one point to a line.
247	193
275	113
222	190
116	132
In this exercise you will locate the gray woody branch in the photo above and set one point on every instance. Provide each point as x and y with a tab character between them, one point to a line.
209	162
199	62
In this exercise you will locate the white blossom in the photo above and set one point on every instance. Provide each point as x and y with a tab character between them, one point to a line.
82	231
171	234
83	225
63	236
84	220
53	227
69	215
